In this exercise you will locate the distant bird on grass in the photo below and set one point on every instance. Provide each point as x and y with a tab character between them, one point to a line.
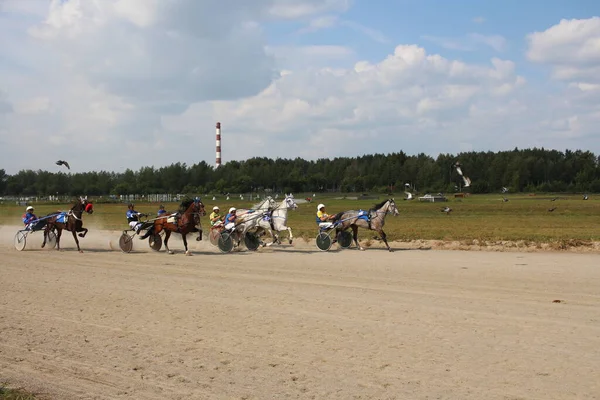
554	199
62	162
551	209
504	199
585	196
446	210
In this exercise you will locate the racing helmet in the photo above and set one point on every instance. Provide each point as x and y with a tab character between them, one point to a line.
232	209
30	208
216	208
320	206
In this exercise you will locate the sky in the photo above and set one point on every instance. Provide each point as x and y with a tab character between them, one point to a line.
116	84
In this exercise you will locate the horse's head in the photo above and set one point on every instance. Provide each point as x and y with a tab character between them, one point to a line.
290	202
199	207
392	207
83	204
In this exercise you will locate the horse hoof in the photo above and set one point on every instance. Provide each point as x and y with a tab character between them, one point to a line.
170	252
390	250
80	235
199	238
361	248
290	241
187	253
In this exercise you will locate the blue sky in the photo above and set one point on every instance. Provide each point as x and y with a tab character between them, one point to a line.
288	78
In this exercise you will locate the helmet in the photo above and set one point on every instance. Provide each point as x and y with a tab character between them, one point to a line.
320	206
130	205
161	206
215	208
232	209
29	208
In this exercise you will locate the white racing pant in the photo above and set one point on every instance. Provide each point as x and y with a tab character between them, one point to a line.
135	225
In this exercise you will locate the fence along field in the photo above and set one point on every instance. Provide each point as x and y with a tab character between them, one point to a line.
474	219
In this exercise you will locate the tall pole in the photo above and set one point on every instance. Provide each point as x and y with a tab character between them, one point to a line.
218	161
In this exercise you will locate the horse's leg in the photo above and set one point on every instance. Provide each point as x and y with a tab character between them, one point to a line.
166	241
58	234
76	240
84	230
384	238
291	239
184	237
355	236
45	236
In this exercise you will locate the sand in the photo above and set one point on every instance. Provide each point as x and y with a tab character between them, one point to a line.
293	322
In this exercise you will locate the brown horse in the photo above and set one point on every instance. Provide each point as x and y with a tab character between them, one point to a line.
187	220
374	219
71	221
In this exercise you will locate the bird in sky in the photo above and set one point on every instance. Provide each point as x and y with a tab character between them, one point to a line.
62	162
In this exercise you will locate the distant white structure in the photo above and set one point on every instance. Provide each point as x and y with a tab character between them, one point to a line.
218	143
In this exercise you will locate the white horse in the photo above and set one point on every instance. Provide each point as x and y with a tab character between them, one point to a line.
279	219
250	219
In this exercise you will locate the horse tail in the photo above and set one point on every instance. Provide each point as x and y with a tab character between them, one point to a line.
148	233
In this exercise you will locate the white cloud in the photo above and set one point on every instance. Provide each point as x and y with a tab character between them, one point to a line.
126	89
571	48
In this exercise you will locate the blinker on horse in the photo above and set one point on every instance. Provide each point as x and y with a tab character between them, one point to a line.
71	221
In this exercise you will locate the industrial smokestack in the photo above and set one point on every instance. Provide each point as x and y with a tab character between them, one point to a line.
218	162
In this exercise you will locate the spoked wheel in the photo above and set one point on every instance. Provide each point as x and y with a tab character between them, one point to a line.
155	242
323	241
252	241
225	242
20	240
51	240
126	243
214	236
344	239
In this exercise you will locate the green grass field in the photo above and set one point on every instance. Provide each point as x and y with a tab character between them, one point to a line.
14	394
476	217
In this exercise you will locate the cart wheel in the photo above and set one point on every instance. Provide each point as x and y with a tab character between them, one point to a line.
51	240
126	243
225	242
323	241
344	239
20	240
155	242
252	241
214	236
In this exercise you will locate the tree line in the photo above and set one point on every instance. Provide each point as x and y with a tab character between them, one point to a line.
517	170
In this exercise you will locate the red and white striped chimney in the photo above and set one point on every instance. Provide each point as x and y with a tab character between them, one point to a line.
218	163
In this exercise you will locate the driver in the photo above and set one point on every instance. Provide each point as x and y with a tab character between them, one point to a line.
133	217
323	218
29	216
230	218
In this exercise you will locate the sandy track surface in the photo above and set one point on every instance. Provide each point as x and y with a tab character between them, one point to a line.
292	322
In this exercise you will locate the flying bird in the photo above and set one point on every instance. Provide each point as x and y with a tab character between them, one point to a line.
409	196
466	179
504	199
446	210
585	196
62	162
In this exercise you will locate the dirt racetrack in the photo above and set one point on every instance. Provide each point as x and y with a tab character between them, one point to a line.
293	322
